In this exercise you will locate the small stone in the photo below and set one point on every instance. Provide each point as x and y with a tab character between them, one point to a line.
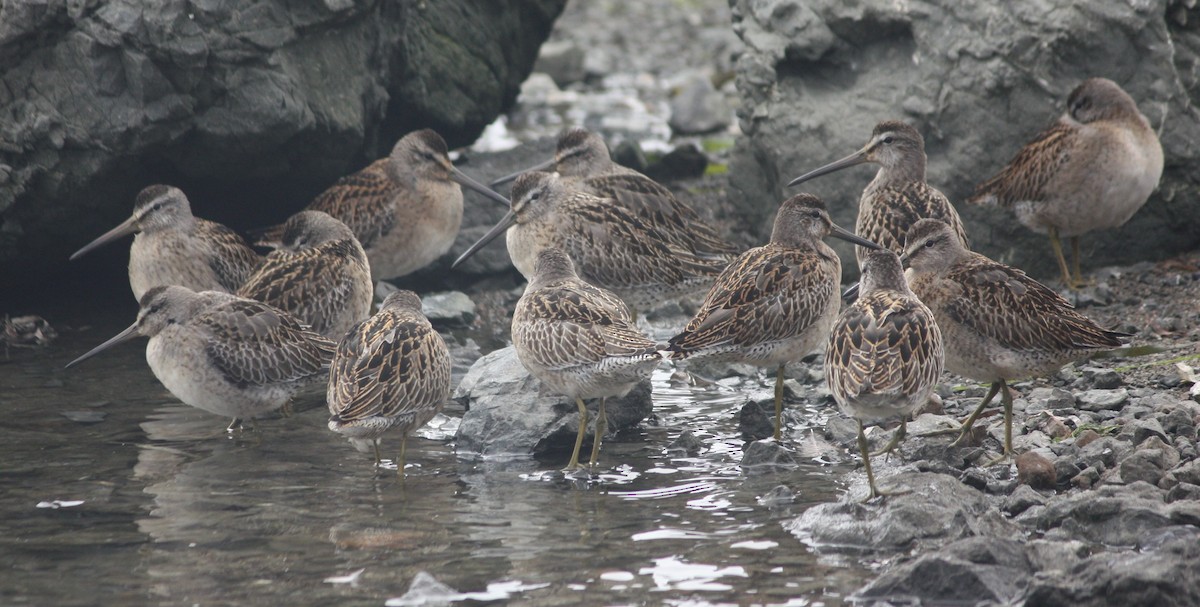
698	107
449	309
686	444
1188	473
1021	499
1142	429
1052	426
1141	466
975	478
778	496
1107	450
1086	478
84	417
767	452
1064	471
1036	471
1184	491
561	60
756	421
1102	400
1107	380
684	162
629	154
1085	437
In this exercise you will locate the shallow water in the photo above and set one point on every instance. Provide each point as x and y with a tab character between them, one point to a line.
157	504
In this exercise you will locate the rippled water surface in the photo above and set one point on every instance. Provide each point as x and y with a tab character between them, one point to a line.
113	489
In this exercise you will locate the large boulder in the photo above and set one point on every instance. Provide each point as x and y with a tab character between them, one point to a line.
978	79
251	107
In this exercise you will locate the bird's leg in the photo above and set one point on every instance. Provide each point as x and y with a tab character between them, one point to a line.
1078	280
400	457
286	409
1056	244
866	456
901	432
378	459
970	421
574	463
779	402
234	425
1007	400
598	435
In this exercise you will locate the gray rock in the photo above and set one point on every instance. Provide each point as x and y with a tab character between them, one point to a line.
251	108
1188	473
1105	450
767	453
1167	573
698	107
969	571
509	414
1102	400
1055	555
562	60
1113	515
686	444
1142	465
978	79
1142	429
1021	499
449	309
936	509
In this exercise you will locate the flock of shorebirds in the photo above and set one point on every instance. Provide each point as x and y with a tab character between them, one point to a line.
236	334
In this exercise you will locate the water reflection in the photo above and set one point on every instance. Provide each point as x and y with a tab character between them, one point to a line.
177	511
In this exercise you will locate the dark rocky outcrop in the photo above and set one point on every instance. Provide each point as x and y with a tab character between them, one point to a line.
978	79
250	107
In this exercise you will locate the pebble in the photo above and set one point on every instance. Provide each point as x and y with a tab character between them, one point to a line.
686	444
698	107
767	452
1102	400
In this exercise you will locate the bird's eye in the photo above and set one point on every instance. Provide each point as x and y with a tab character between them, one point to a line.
534	196
929	243
815	214
157	206
889	139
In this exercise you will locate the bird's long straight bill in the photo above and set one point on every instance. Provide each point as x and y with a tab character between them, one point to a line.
119	338
541	166
842	233
126	228
505	222
856	158
463	179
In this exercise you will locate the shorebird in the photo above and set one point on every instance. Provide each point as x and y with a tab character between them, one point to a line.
582	156
884	354
225	354
610	248
319	273
997	323
1091	170
579	340
898	196
404	209
173	247
391	370
775	303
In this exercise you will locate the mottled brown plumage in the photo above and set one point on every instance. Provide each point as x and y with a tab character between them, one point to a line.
997	323
173	247
898	196
583	158
405	209
578	340
611	248
884	354
1090	170
320	274
225	354
391	370
773	304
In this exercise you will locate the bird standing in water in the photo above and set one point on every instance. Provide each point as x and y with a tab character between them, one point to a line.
579	340
173	247
320	274
774	304
225	354
884	354
1091	170
391	370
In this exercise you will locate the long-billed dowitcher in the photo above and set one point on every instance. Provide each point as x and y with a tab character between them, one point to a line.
898	196
582	156
319	273
611	249
997	323
173	247
1091	170
579	340
225	354
774	304
391	370
404	209
884	354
